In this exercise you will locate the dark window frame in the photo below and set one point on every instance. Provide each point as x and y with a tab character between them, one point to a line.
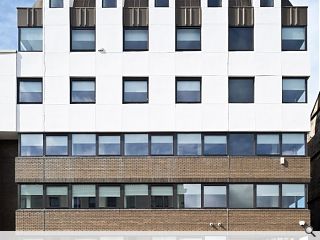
50	4
124	39
209	6
214	185
157	6
163	135
71	144
185	79
187	50
214	134
306	89
268	133
29	79
19	39
104	6
305	34
83	50
150	185
262	5
56	135
253	79
98	135
84	79
253	40
305	144
121	202
56	185
280	195
135	79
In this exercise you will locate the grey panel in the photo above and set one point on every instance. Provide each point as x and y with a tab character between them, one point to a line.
294	16
83	17
30	17
136	16
241	16
240	3
84	3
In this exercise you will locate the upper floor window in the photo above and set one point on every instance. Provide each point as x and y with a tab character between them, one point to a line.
109	197
266	3
293	196
241	196
294	90
189	144
109	145
56	3
241	39
83	196
162	145
31	145
83	91
241	90
30	90
135	90
293	144
268	144
189	195
268	196
30	39
188	39
214	3
215	145
161	3
241	144
136	144
136	39
161	197
56	145
57	197
215	196
294	38
83	40
188	90
31	196
109	3
136	196
83	144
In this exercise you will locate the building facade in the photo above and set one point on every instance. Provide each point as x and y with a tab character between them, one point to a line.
160	115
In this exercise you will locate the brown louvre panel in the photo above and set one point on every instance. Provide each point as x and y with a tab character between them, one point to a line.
83	17
240	3
136	3
84	3
241	16
136	17
188	16
188	3
294	16
30	17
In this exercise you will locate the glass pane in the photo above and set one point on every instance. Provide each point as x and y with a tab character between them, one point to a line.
294	91
136	39
189	195
241	90
215	145
162	191
240	39
31	145
241	144
83	144
214	3
188	91
31	196
162	145
293	196
57	145
189	39
83	91
136	144
30	39
56	3
215	196
189	144
267	196
83	191
135	91
241	196
293	38
268	144
136	196
109	3
109	145
293	144
30	91
83	40
266	3
57	197
35	190
162	3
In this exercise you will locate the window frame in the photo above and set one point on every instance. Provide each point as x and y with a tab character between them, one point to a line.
134	79
31	133
71	144
305	144
215	185
306	88
29	79
156	6
218	135
121	202
183	49
306	196
243	133
185	79
19	195
164	134
98	135
208	5
84	79
56	135
305	34
251	78
261	5
83	50
19	39
279	197
124	39
50	4
174	196
103	6
253	40
57	185
268	133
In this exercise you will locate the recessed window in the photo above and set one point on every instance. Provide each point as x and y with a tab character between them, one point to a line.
189	195
215	145
161	197
31	196
215	196
241	195
135	90
241	144
294	38
56	145
136	196
83	40
268	144
109	145
83	144
268	196
109	3
188	39
135	39
83	196
266	3
293	196
161	145
214	3
30	39
109	197
241	90
188	90
294	90
241	39
30	91
161	3
57	197
293	144
31	145
83	91
56	3
136	144
189	144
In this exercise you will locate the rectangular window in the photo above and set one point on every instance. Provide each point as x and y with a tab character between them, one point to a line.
109	197
241	90
56	145
268	196
215	196
83	40
136	196
214	3
241	195
161	145
294	38
83	91
241	39
189	144
188	90
109	145
136	144
31	196
136	39
56	3
293	144
215	145
241	144
161	3
109	3
57	197
83	144
31	145
135	90
266	3
294	90
268	144
188	39
161	197
30	91
189	195
293	196
83	196
30	39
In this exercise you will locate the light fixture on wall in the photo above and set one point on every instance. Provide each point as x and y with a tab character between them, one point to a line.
307	228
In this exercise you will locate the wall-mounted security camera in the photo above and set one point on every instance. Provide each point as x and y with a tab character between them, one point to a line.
219	224
102	50
307	228
211	224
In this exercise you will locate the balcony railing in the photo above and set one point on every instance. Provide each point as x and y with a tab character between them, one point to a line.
30	17
83	17
241	16
136	16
